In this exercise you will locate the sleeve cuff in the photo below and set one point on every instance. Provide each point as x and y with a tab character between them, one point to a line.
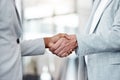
81	50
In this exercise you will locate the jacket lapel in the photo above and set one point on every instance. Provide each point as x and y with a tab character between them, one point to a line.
95	25
18	16
88	25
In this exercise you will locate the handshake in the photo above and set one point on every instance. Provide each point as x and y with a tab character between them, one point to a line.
62	44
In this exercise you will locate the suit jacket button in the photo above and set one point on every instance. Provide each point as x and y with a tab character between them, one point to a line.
18	41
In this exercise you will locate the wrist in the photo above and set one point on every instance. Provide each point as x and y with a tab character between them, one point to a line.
76	41
47	41
74	37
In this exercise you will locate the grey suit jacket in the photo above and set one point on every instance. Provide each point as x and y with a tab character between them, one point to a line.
10	50
102	46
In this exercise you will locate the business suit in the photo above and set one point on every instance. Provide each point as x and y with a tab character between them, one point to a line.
101	44
10	48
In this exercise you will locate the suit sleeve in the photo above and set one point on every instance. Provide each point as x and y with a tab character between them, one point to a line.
33	47
102	42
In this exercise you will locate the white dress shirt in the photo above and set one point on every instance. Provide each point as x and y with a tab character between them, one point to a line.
96	17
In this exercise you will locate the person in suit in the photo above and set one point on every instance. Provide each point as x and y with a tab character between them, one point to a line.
99	47
11	48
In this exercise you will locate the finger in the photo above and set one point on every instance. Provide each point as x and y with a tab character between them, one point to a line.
65	50
55	38
65	54
69	48
56	45
61	47
67	36
64	35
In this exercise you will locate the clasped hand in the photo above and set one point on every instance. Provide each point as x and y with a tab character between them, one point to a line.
61	45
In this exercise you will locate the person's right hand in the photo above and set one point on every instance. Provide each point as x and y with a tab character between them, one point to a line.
64	47
50	41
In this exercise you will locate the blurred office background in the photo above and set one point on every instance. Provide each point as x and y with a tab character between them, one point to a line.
43	18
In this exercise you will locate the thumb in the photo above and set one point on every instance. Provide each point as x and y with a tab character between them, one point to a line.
67	36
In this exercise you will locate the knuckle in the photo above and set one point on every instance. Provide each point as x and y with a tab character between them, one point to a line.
60	34
55	52
52	48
